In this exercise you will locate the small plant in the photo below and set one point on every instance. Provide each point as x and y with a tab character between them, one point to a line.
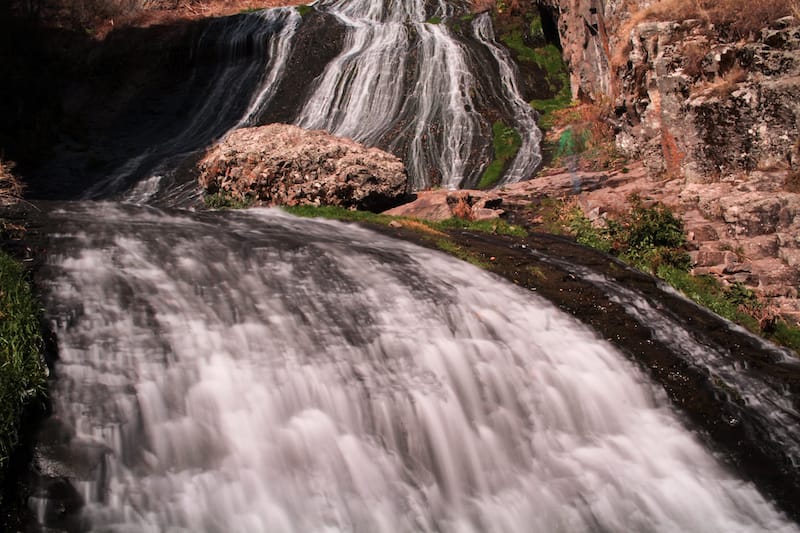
225	200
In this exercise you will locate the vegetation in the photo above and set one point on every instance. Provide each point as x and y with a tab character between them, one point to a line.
740	18
647	237
581	132
652	239
224	200
22	370
305	9
505	143
496	227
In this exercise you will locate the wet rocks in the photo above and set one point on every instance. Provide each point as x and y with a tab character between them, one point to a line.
279	164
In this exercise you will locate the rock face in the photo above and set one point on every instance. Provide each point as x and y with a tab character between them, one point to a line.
280	164
691	101
441	204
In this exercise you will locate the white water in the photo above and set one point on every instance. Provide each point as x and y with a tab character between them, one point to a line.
255	372
408	85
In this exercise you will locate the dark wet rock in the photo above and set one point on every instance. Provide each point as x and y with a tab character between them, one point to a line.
281	164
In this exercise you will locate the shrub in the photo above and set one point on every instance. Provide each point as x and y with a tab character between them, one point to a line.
646	237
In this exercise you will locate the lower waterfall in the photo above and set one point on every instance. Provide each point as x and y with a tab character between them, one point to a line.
250	371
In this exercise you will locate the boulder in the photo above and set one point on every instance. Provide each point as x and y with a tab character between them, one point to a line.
279	164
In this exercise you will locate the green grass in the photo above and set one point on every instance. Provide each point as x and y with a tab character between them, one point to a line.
23	373
223	200
711	294
495	227
505	143
652	239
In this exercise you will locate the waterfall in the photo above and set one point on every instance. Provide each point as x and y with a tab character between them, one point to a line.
248	55
424	80
251	371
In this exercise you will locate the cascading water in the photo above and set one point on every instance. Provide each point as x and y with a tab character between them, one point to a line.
404	80
255	372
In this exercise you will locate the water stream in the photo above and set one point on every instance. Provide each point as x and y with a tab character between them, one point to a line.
255	372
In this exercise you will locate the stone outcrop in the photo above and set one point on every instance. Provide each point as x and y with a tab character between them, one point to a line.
442	204
280	164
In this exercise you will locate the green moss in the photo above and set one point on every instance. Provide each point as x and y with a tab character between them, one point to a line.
497	227
646	237
305	10
505	143
787	335
462	253
546	106
434	20
709	292
22	371
224	200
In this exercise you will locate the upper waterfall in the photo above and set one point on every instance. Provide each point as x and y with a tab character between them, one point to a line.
424	80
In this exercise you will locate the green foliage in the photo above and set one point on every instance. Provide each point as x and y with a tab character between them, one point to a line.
305	10
505	143
787	335
647	237
224	200
548	58
546	106
22	371
434	20
710	293
496	227
337	213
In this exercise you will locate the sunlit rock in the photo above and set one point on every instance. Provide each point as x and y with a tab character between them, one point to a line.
281	164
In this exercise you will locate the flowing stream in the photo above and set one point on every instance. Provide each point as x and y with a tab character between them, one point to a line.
255	372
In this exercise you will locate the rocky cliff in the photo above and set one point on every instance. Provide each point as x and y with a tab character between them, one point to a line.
709	101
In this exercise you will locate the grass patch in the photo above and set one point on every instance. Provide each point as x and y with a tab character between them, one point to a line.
337	213
495	227
224	200
505	143
304	10
652	239
23	373
460	252
548	58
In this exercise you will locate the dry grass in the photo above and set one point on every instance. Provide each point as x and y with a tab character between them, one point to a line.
10	187
735	19
724	85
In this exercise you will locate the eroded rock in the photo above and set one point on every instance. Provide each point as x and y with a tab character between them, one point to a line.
279	164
